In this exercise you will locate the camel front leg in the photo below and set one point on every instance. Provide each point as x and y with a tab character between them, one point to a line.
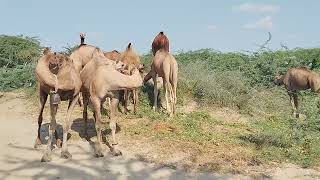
135	100
126	100
66	126
43	99
96	102
52	128
113	126
155	91
293	104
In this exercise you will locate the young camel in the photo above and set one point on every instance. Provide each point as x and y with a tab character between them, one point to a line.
132	61
296	79
165	66
57	77
101	80
160	42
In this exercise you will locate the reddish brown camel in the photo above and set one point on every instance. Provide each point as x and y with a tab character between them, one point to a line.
101	80
296	79
165	66
160	42
58	78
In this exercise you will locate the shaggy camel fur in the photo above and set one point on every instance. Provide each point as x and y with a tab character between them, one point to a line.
101	80
58	78
160	42
165	66
112	55
296	79
132	61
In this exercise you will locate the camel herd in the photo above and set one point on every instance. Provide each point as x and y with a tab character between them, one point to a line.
95	76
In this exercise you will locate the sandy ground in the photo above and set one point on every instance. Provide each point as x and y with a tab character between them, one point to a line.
19	160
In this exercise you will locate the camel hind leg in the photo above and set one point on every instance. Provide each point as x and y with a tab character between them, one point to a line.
85	113
294	103
155	91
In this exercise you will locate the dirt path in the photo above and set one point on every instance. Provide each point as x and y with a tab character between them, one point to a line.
19	160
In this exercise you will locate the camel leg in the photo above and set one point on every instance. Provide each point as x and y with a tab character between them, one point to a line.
43	99
295	99
66	126
126	99
113	126
135	100
85	113
155	91
52	128
171	100
292	101
165	87
98	123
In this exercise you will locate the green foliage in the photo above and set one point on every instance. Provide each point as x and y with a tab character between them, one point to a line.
17	61
18	50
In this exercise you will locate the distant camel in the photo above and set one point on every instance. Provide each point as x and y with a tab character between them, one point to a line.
112	55
132	61
160	42
101	80
58	78
165	66
296	79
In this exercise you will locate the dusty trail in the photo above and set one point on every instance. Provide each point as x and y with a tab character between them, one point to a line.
19	160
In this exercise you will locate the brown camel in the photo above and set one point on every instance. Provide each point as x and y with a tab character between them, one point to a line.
132	61
113	55
101	80
165	66
58	78
296	79
160	42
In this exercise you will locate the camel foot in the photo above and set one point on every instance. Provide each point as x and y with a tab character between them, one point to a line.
98	150
37	143
66	155
115	151
59	143
46	157
154	108
296	115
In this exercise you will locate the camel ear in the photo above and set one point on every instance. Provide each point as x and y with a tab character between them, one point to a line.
129	46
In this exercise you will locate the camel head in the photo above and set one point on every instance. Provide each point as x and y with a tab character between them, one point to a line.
46	51
278	79
57	61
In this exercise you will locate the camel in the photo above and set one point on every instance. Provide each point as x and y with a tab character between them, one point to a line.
160	42
101	80
132	61
113	55
296	79
165	66
56	77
